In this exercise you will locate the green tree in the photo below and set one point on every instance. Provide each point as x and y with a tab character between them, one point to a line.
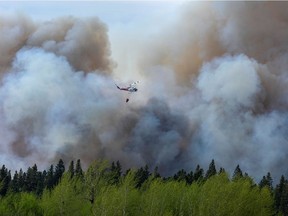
66	198
141	175
28	204
220	196
267	181
59	170
49	181
31	180
156	173
281	196
211	170
115	171
78	170
221	170
71	169
41	176
198	174
165	198
121	199
180	175
5	178
20	204
237	173
190	177
97	176
21	180
15	183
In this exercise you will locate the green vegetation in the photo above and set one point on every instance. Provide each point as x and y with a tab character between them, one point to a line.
104	190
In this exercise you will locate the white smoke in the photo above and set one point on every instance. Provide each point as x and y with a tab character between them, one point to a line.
233	81
213	86
42	99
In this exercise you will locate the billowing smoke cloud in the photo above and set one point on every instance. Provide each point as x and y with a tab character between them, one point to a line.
223	65
213	86
84	43
46	85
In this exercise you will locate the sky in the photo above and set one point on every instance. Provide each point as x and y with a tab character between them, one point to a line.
213	84
110	12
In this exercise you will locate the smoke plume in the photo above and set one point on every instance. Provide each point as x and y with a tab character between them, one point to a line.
213	86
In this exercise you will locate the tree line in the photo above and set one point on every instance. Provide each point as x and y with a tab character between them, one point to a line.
105	189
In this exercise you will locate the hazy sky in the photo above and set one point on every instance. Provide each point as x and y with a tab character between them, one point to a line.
108	11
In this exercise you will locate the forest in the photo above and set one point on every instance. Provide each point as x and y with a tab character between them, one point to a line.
105	189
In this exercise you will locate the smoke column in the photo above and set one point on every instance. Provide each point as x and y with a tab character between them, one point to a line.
213	86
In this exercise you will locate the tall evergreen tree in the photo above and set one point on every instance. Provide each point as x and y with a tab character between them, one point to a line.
71	169
237	173
41	176
266	181
156	173
141	175
222	170
190	177
21	180
180	175
281	196
5	178
78	170
211	170
284	199
198	174
115	172
50	178
59	170
15	183
269	181
31	179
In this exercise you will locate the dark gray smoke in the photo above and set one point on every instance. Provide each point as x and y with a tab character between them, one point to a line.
213	86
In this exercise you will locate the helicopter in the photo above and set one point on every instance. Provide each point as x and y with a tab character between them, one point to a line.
131	88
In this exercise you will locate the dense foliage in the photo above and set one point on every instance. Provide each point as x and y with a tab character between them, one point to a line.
103	189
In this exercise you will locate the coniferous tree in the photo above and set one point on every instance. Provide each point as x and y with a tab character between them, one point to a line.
5	178
41	176
50	178
21	180
222	170
24	188
141	175
71	169
118	168
15	183
126	172
263	182
115	172
266	181
190	177
180	175
31	179
237	173
278	193
284	199
281	196
198	174
78	170
211	170
156	174
59	170
269	181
